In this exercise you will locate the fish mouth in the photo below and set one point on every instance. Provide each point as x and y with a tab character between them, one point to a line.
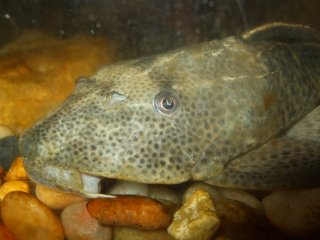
71	180
92	186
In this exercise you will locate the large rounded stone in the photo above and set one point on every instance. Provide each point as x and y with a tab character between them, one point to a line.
296	212
29	219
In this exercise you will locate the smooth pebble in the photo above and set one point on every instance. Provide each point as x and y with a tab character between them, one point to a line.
122	187
55	198
242	196
163	193
130	211
79	225
296	212
29	219
9	150
14	185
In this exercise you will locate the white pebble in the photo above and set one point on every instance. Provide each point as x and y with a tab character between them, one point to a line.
129	188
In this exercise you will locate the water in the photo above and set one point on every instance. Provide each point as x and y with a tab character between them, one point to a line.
143	27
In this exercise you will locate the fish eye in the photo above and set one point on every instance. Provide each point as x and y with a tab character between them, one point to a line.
165	102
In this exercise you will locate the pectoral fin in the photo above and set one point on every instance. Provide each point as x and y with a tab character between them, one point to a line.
290	161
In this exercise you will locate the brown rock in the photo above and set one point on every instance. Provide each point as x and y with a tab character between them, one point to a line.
29	219
240	221
130	211
296	212
37	72
79	225
55	198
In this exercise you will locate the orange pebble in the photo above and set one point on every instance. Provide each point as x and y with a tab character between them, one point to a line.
29	219
130	211
14	185
17	171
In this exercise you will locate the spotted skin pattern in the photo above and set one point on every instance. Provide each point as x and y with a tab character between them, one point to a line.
233	97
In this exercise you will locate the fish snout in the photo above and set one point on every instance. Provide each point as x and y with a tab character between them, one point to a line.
27	145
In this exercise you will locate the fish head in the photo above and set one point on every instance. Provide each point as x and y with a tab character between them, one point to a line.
129	121
149	120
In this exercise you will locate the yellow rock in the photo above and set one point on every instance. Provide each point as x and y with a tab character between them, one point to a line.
14	185
37	72
196	219
16	171
55	198
29	219
238	220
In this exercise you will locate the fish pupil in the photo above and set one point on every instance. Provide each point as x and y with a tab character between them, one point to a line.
168	103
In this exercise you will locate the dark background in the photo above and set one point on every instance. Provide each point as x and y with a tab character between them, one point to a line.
142	27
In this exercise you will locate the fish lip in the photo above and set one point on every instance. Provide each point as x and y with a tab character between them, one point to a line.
86	184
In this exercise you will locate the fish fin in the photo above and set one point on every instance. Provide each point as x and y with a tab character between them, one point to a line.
282	32
291	161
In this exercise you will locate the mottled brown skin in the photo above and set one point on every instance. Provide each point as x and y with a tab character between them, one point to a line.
233	96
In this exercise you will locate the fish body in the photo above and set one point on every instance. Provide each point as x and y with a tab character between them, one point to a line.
216	111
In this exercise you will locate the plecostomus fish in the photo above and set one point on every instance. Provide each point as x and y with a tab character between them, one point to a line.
238	112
